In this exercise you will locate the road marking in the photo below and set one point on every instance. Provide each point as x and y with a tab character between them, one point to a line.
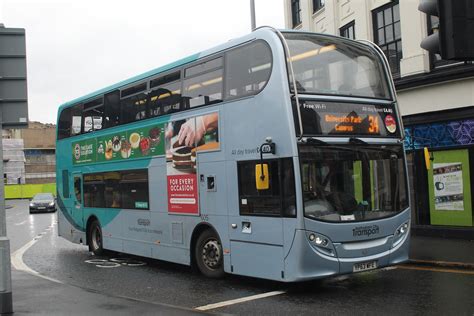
407	267
238	300
19	264
21	223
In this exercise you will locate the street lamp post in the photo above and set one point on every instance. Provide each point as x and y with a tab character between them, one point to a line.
252	15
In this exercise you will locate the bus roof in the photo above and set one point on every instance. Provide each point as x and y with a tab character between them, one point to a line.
167	67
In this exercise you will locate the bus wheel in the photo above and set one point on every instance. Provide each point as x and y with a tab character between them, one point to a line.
95	238
209	255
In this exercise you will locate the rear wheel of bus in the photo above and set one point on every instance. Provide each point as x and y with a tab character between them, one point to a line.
95	238
209	255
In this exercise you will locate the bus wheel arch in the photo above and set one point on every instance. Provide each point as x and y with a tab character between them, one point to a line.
206	238
94	236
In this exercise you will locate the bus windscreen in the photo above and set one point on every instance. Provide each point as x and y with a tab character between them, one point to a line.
331	66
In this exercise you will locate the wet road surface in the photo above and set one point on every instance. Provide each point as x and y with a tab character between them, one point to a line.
404	290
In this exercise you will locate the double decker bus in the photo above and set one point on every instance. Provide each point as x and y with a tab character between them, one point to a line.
277	155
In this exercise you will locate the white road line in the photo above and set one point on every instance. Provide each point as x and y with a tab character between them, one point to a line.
238	300
18	264
21	223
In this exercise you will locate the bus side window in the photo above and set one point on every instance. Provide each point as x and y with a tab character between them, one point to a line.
64	124
76	119
278	200
92	115
165	99
248	69
112	109
78	189
134	103
65	180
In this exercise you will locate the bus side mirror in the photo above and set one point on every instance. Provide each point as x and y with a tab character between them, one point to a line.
262	177
428	158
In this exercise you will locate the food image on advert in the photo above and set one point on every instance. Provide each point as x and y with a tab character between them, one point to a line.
183	139
448	186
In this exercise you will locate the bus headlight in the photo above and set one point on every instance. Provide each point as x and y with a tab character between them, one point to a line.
321	243
400	233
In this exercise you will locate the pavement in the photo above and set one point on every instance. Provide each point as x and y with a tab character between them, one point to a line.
39	296
33	295
439	251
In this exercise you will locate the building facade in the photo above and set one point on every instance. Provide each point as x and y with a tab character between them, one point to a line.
38	146
436	99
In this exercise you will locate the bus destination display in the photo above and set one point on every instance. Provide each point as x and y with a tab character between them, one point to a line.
329	118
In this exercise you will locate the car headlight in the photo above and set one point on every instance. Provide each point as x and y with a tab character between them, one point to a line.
51	204
32	205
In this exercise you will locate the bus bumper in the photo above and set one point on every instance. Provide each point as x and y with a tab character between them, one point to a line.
304	262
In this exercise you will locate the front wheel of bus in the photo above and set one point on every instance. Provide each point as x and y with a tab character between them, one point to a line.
209	255
95	238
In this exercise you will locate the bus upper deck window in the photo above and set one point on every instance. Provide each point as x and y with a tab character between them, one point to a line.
248	69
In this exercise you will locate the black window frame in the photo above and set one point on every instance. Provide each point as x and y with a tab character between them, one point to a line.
285	202
295	13
394	41
318	5
347	30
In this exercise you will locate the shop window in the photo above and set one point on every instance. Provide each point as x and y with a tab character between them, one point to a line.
278	199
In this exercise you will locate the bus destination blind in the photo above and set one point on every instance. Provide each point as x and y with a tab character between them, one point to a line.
329	118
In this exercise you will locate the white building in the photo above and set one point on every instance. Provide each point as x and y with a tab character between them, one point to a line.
436	99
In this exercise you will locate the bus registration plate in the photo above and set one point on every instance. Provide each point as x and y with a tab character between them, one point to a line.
364	266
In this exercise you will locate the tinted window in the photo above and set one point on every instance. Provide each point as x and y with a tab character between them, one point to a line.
112	109
278	200
203	67
78	189
65	180
133	108
93	114
117	189
64	124
76	119
94	190
203	89
248	69
165	99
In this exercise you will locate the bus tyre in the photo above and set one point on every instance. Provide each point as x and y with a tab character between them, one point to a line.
209	255
95	238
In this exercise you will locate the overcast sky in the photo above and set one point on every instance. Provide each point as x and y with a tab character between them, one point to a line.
75	47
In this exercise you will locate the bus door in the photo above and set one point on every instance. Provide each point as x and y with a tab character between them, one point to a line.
78	198
256	222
